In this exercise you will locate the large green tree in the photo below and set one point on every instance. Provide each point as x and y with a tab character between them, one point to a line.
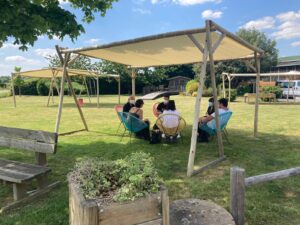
26	20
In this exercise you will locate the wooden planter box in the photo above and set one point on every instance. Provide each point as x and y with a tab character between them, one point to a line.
151	210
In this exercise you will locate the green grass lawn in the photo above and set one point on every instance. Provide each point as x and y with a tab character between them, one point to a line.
278	147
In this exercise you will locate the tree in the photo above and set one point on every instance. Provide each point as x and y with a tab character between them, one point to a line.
18	81
26	20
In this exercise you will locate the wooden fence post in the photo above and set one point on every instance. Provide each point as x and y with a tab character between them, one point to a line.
237	194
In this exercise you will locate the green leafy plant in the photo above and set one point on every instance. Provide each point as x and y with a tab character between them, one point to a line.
273	89
233	94
192	86
122	180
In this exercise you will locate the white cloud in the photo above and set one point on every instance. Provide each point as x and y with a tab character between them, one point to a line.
45	52
141	11
185	2
211	14
9	45
17	59
289	16
261	24
93	41
295	44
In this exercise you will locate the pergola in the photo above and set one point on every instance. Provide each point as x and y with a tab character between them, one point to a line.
209	44
230	76
58	73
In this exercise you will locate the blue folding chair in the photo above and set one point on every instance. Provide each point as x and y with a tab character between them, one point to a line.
212	129
131	123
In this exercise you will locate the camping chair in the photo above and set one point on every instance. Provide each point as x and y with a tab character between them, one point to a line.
131	123
170	133
119	108
224	119
154	109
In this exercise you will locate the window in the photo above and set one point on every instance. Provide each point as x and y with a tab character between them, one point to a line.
298	84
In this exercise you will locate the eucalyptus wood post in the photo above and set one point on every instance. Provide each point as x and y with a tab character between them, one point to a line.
13	90
190	167
62	84
119	89
257	67
133	76
87	89
237	195
56	86
223	85
50	90
229	89
76	101
98	91
214	86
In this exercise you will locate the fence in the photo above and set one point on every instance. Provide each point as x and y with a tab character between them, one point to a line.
238	184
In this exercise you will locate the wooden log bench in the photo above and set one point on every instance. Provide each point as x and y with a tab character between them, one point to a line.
270	96
20	173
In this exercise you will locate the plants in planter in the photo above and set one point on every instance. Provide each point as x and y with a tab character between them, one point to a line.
128	188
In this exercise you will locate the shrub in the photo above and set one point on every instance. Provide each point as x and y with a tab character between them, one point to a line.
28	87
5	93
192	86
121	180
233	94
273	89
207	92
243	89
42	87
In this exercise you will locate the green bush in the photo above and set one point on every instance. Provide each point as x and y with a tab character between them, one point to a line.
125	179
192	86
28	87
233	94
243	89
5	93
207	92
274	89
42	87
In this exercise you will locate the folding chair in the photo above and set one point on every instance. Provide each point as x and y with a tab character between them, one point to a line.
212	129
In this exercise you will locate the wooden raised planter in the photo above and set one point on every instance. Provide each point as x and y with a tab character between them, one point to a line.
150	210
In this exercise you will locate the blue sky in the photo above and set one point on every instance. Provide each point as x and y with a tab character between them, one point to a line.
136	18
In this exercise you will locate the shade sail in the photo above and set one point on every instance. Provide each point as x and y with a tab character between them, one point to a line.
58	72
169	49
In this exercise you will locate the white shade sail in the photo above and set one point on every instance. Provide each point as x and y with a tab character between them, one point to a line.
170	49
58	72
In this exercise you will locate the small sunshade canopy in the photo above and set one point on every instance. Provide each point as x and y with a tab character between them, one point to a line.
172	48
58	72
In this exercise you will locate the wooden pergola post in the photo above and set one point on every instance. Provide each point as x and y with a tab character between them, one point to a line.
65	75
50	91
229	88
97	91
119	89
214	86
13	90
133	76
257	68
223	85
87	89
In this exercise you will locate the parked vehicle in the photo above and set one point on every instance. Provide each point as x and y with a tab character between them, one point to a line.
290	88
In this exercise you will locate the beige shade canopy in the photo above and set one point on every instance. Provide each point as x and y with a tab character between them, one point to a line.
172	48
58	72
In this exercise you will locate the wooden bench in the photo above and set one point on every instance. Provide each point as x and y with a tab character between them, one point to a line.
19	173
270	96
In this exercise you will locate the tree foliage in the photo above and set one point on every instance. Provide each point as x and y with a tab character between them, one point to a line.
26	20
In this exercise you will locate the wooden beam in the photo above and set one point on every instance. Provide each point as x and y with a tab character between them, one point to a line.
119	90
62	84
13	90
87	89
165	206
223	86
237	195
229	88
257	66
49	94
272	176
76	101
218	42
196	43
133	76
209	165
190	166
98	91
214	86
